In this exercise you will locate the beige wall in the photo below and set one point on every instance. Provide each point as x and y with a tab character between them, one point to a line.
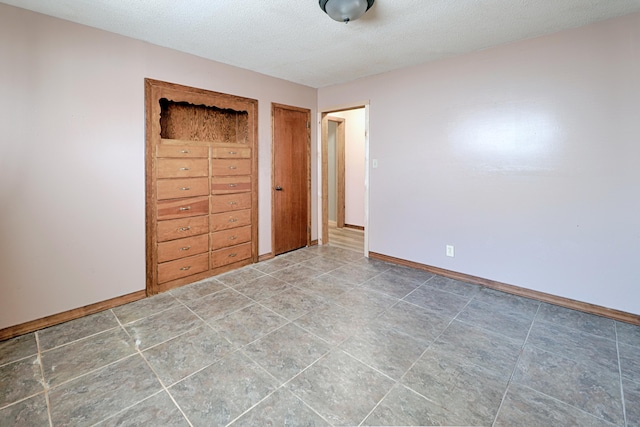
525	157
72	158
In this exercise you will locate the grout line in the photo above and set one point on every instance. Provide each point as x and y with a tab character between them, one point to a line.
44	383
624	407
515	367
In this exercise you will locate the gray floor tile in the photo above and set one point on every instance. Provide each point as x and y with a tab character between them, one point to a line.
262	288
528	408
454	286
285	352
414	274
583	386
242	275
248	324
384	348
18	348
340	388
437	302
29	412
374	265
83	356
20	380
160	327
470	391
333	323
415	321
630	362
583	322
632	399
479	346
296	274
575	345
324	264
281	409
145	307
75	329
335	252
392	284
157	411
354	273
326	286
274	264
405	407
502	320
368	302
101	394
220	304
223	391
303	255
197	290
628	334
179	357
507	301
293	303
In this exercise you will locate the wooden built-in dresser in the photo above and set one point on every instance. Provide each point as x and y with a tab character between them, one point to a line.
201	184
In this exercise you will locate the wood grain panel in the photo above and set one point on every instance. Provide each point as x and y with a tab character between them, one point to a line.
230	255
231	237
225	167
230	184
230	202
182	168
182	187
516	290
182	227
230	152
181	151
180	208
182	248
183	267
226	220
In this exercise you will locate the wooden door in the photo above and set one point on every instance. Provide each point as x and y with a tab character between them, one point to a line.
291	178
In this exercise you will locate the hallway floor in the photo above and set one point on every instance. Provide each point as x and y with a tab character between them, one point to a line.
322	336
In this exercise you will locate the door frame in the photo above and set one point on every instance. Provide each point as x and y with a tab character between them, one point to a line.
273	172
340	170
324	116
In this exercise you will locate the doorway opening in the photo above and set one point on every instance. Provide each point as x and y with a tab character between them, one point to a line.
344	148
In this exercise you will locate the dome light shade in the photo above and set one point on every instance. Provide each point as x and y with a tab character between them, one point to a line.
345	10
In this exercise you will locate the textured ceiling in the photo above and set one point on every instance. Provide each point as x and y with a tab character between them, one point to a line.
294	40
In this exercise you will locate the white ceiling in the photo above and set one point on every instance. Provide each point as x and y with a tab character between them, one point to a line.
296	41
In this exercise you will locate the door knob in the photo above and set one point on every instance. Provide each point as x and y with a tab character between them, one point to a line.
278	188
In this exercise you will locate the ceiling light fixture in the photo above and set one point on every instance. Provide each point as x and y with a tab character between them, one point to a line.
345	10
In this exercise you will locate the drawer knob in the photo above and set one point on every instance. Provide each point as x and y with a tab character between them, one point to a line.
185	268
233	220
184	169
184	151
233	185
233	255
185	189
233	167
233	203
186	248
184	228
233	237
233	152
186	208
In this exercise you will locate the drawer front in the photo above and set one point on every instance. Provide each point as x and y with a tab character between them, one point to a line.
231	152
183	248
183	227
182	168
226	220
180	208
179	188
226	167
230	202
233	236
184	267
230	184
230	255
182	151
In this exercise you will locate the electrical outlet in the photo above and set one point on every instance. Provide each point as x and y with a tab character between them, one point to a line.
374	163
451	251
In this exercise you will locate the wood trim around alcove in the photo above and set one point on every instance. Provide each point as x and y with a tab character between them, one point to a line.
610	313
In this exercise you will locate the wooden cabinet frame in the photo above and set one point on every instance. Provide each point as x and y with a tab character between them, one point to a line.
157	92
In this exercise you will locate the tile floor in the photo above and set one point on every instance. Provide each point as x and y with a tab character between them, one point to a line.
323	336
